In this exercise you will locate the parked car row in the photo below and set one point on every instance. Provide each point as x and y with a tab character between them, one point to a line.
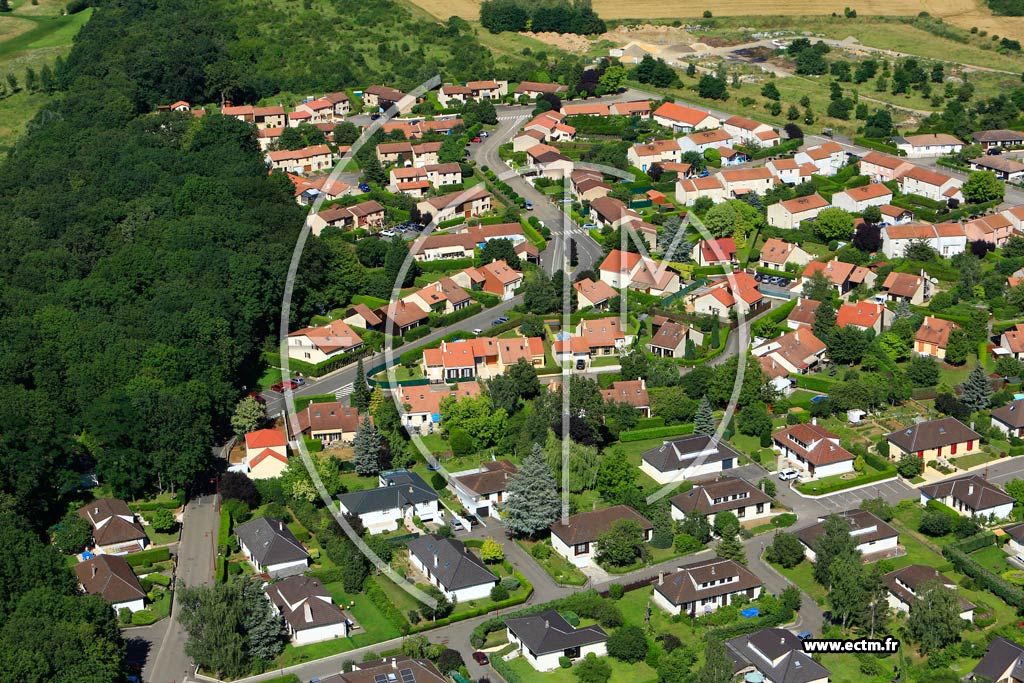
292	384
402	227
774	280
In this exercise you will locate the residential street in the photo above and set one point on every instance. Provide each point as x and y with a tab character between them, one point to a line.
167	662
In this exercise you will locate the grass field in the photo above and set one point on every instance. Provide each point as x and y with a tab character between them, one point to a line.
31	36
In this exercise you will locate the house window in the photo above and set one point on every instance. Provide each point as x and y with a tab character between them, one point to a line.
741	512
581	548
760	508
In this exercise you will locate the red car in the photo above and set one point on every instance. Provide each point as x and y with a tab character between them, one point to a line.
476	139
290	384
481	658
256	397
277	387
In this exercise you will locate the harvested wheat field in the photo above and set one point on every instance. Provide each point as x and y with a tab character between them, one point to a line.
964	13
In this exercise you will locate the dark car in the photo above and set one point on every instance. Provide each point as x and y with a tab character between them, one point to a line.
481	658
581	364
256	397
364	187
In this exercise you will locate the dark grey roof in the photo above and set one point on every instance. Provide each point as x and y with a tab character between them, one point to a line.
777	654
305	603
456	566
1002	654
924	436
972	490
548	632
679	454
585	527
864	526
1012	414
702	580
906	583
403	488
727	493
270	541
1015	531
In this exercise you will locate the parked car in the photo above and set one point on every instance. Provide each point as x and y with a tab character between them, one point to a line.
388	233
290	384
528	205
478	331
581	364
455	524
481	658
277	387
500	321
476	139
788	473
804	635
590	226
363	187
258	398
993	151
484	133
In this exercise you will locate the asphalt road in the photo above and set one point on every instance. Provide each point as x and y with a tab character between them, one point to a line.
167	661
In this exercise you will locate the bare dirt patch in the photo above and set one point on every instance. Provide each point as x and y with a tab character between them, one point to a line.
563	41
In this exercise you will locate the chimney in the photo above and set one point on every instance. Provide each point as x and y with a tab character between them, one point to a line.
970	489
394	662
280	525
782	640
814	421
94	570
661	578
307	612
546	624
435	560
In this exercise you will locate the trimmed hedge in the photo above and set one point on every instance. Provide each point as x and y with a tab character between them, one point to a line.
747	626
451	223
486	298
290	678
944	509
224	530
813	383
380	599
484	609
1009	593
417	333
877	461
650	422
877	146
776	273
443	265
143	617
178	501
656	432
151	556
459	315
160	579
976	542
832	487
220	569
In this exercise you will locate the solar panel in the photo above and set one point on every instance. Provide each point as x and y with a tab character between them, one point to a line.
407	676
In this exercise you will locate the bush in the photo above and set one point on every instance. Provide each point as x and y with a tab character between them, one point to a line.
564	662
655	432
541	551
616	591
378	597
935	523
962	563
628	644
572	618
499	593
510	583
147	557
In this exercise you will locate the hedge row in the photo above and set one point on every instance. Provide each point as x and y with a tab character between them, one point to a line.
379	598
746	626
783	148
290	678
224	530
484	609
813	383
451	223
833	486
877	146
151	505
1009	593
151	556
533	235
776	273
459	315
877	461
418	332
587	604
656	432
273	359
650	422
976	542
219	569
944	509
442	265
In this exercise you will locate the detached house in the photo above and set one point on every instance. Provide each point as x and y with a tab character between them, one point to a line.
544	638
398	317
905	587
989	139
929	145
496	277
826	158
645	155
111	578
384	98
1013	339
864	315
776	254
442	296
1003	663
534	90
874	537
794	353
330	422
472	202
271	547
638	108
970	496
593	294
632	392
856	199
843	277
813	449
400	496
390	670
309	612
736	291
548	161
266	453
914	289
728	494
803	314
452	567
612	212
480	358
575	538
483	490
623	270
421	405
318	344
718	252
684	119
749	132
930	184
776	655
306	160
791	213
702	587
115	530
690	457
368	215
932	338
882	167
669	341
1006	169
948	239
934	439
588	185
1009	419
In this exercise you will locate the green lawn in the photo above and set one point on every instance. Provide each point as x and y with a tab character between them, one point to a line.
375	628
269	378
973	460
396	594
556	566
157	538
621	672
992	558
803	576
604	361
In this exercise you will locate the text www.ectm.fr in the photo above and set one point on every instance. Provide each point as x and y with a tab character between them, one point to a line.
836	645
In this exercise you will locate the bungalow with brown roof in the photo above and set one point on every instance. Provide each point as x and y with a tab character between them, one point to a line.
789	214
970	496
590	294
639	108
796	352
384	98
588	185
330	422
575	538
895	215
685	119
929	145
875	539
882	167
368	215
727	494
736	291
914	289
1009	418
1006	169
471	202
115	531
908	584
989	139
318	344
932	338
856	199
360	315
398	317
813	450
777	255
611	212
690	457
308	611
341	102
598	337
702	587
482	491
632	392
586	109
534	90
671	338
112	578
843	277
942	438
